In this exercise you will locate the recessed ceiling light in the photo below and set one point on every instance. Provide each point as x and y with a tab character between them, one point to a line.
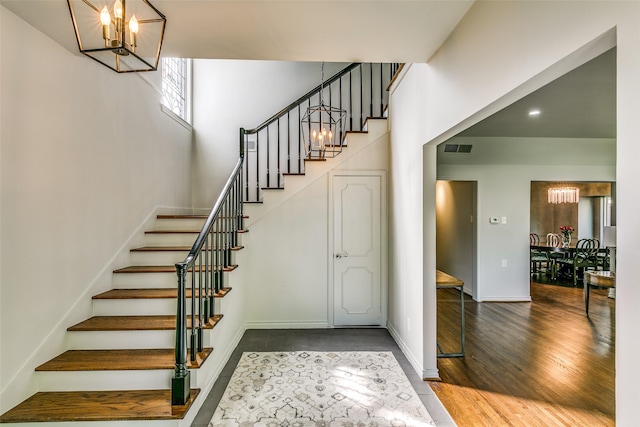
534	112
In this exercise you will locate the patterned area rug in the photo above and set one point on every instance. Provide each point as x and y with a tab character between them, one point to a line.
319	389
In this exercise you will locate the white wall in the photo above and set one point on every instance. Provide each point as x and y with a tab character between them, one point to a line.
288	245
406	109
502	51
233	94
86	155
455	230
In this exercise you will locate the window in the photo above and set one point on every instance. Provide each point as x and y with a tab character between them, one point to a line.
176	87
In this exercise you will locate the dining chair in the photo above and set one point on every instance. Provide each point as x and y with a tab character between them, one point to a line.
537	257
584	257
554	240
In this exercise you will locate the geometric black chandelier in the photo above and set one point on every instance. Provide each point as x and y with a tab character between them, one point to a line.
322	127
124	35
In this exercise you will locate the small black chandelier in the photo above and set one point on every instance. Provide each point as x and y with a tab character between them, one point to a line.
322	128
124	35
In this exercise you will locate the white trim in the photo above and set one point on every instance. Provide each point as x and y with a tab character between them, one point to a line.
286	325
505	299
176	117
415	364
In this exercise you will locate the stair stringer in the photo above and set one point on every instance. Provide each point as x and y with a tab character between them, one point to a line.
357	143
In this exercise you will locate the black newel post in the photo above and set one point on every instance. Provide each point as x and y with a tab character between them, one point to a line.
181	381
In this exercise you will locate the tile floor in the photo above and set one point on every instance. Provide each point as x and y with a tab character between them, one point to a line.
321	340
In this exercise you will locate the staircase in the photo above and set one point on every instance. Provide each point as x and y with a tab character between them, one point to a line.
128	342
122	361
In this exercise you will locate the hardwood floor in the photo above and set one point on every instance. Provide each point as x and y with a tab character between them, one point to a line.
542	363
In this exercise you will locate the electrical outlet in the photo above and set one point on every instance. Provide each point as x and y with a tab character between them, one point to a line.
408	325
504	220
504	263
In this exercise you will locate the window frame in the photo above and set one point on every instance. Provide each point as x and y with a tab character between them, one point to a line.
186	119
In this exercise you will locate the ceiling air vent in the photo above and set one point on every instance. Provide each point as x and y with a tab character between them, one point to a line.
457	148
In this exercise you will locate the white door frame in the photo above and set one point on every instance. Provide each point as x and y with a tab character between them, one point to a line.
384	252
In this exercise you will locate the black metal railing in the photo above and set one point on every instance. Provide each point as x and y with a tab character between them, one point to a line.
275	148
203	272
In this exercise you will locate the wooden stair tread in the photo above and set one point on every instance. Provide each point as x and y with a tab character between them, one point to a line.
119	360
165	269
117	405
136	323
151	293
174	248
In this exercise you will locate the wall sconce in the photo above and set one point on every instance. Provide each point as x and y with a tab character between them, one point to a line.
124	35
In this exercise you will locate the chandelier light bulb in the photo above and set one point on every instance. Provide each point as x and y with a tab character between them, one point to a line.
133	31
105	18
133	25
117	9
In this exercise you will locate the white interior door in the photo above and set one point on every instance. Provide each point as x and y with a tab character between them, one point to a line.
357	250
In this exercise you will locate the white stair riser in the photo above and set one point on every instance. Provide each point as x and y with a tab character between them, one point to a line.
96	340
139	307
151	280
116	340
179	223
174	239
164	257
157	257
144	280
170	239
107	380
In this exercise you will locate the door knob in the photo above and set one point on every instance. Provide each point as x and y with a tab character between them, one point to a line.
342	254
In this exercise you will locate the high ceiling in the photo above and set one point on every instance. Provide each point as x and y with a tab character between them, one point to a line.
580	104
293	30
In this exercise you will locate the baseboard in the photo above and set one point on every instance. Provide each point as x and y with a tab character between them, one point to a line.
287	325
506	299
415	364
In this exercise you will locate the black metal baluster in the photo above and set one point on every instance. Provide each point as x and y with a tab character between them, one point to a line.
206	308
350	102
278	151
361	104
243	154
381	92
288	143
371	89
268	156
210	274
309	126
200	303
300	141
340	106
193	314
257	166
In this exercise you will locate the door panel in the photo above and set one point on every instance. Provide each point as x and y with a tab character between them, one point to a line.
357	251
